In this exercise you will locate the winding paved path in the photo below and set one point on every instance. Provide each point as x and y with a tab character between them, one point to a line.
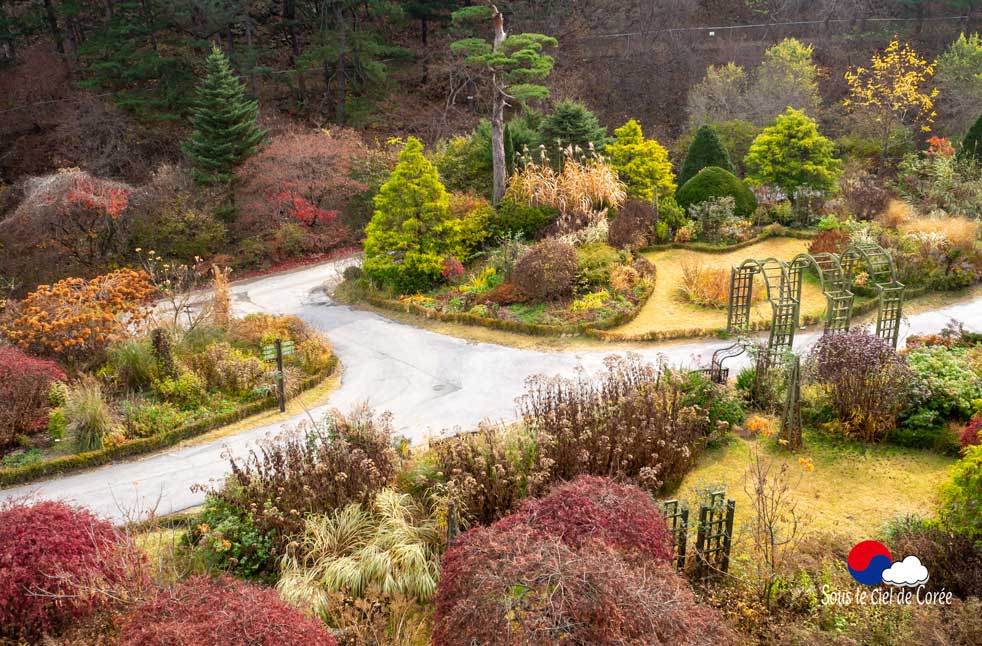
431	383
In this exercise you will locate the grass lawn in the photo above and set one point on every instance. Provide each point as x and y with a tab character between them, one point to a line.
853	490
666	310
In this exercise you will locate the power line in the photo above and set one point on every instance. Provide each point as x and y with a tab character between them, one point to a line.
791	23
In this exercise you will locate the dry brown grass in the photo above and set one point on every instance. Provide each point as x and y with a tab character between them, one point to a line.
666	311
896	214
582	186
960	232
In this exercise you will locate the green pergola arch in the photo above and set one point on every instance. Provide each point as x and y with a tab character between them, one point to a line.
834	284
883	276
784	303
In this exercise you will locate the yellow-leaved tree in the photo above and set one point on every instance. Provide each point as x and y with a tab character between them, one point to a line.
894	91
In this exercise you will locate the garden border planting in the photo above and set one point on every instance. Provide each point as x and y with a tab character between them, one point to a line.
68	463
778	231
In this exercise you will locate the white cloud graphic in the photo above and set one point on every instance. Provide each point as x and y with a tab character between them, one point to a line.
908	572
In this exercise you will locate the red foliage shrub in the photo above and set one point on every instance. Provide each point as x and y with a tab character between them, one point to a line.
55	563
24	385
452	270
505	294
622	517
221	611
547	270
833	241
518	586
633	225
303	177
972	435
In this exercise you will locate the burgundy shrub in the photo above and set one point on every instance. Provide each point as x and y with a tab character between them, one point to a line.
24	385
833	241
57	562
223	611
519	586
622	517
971	435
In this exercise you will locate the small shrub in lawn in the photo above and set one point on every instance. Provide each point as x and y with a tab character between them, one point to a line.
961	498
88	418
867	381
625	423
546	271
519	586
25	382
317	468
220	611
622	517
58	564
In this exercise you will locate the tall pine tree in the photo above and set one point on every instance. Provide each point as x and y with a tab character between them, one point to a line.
224	118
705	150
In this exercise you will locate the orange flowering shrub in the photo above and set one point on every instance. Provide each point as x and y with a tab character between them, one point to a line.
75	319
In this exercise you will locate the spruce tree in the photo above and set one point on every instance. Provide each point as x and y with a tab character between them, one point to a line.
224	118
642	164
705	150
972	144
573	124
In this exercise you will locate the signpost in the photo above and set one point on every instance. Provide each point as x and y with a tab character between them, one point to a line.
277	351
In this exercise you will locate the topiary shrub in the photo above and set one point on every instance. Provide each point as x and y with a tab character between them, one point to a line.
622	517
58	564
520	586
220	611
634	225
706	150
716	182
24	385
546	271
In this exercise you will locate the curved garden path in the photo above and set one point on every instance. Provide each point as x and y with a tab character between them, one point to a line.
430	382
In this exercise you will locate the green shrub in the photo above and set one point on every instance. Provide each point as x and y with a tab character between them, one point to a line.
947	378
226	538
87	415
187	390
642	164
961	498
514	217
464	163
716	182
924	429
791	153
133	363
229	370
594	263
57	423
573	124
546	271
706	150
144	418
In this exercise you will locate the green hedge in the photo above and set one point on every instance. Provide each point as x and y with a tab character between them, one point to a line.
77	461
533	329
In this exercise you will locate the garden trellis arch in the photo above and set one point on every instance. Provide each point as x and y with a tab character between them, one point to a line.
784	304
834	284
882	274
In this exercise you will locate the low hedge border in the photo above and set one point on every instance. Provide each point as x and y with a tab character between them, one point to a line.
691	333
778	231
78	461
534	329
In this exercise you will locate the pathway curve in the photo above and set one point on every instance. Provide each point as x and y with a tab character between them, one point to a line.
430	382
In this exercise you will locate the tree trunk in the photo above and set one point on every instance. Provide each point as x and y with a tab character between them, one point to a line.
340	71
247	19
49	11
290	16
498	117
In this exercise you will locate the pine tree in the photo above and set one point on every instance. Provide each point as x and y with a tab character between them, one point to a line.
705	150
792	154
642	164
573	124
224	118
412	231
972	144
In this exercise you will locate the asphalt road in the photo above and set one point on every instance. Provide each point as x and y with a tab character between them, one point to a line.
431	383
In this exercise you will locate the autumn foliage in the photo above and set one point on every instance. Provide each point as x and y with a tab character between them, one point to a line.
519	586
24	385
220	611
76	319
57	563
622	517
